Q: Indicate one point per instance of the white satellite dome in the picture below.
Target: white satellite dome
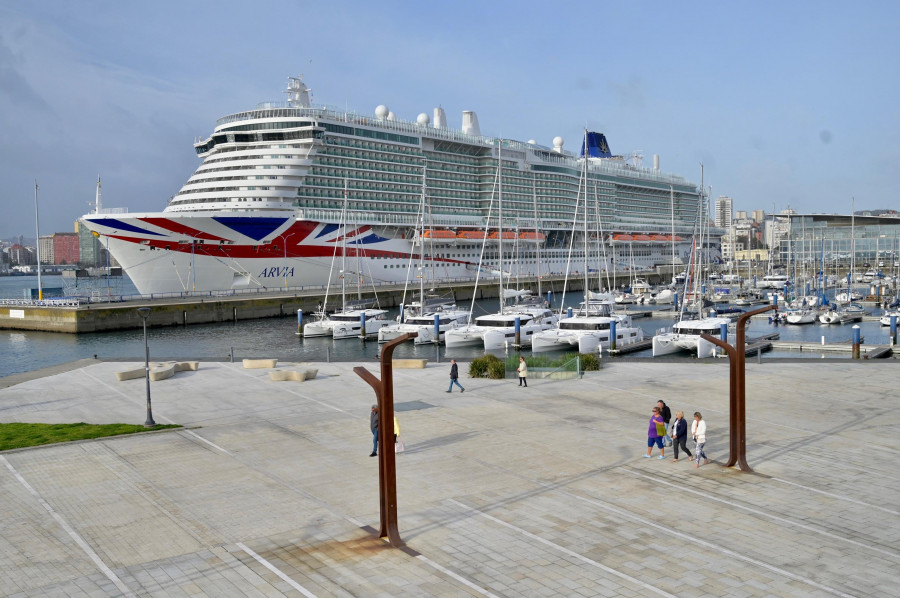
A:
(382, 111)
(423, 119)
(532, 142)
(558, 143)
(391, 116)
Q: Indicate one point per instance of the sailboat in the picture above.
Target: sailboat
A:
(496, 331)
(430, 317)
(348, 322)
(847, 311)
(685, 334)
(590, 328)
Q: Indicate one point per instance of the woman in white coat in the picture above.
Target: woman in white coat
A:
(698, 431)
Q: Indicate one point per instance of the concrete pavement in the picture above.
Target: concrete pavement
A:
(502, 491)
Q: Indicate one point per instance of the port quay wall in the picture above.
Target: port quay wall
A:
(183, 311)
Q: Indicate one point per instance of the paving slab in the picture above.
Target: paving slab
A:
(268, 489)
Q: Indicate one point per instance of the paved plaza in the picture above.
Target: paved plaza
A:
(269, 489)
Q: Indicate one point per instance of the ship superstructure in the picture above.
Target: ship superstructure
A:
(264, 207)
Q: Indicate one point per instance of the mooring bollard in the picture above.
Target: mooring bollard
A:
(855, 342)
(299, 321)
(612, 335)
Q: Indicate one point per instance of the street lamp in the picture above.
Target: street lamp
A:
(144, 312)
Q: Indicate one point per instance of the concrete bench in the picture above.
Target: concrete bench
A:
(159, 371)
(259, 363)
(293, 375)
(409, 364)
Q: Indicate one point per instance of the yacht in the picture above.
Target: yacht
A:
(497, 331)
(685, 336)
(588, 330)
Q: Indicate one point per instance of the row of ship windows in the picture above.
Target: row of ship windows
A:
(371, 145)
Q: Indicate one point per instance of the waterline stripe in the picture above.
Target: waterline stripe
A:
(276, 571)
(565, 550)
(72, 533)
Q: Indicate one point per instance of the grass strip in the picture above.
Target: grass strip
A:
(16, 435)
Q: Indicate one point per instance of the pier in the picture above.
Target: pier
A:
(269, 489)
(73, 315)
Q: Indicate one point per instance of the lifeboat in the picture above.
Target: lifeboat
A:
(439, 234)
(507, 235)
(532, 237)
(622, 238)
(641, 238)
(470, 236)
(660, 238)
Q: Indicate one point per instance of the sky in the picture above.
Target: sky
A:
(786, 104)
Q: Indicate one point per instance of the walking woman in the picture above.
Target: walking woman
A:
(698, 431)
(679, 435)
(653, 435)
(523, 372)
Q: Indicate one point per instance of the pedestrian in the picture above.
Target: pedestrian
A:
(679, 435)
(373, 423)
(398, 443)
(666, 414)
(454, 376)
(654, 436)
(698, 431)
(523, 372)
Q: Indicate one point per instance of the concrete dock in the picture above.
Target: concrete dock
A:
(269, 489)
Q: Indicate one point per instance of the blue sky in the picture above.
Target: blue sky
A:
(786, 103)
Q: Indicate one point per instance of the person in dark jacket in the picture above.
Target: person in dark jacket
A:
(666, 414)
(454, 377)
(680, 435)
(373, 423)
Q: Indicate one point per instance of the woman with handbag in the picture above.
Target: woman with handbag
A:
(655, 434)
(698, 431)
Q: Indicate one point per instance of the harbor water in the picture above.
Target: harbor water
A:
(22, 351)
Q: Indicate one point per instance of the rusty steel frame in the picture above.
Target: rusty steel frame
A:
(737, 409)
(387, 462)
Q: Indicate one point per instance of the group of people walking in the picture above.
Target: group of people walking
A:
(658, 434)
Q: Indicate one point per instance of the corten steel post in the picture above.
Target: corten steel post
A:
(732, 395)
(387, 465)
(737, 356)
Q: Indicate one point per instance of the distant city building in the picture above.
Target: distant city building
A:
(90, 251)
(740, 215)
(65, 248)
(45, 244)
(759, 215)
(723, 211)
(19, 255)
(838, 239)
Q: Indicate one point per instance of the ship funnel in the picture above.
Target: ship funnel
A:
(656, 162)
(440, 118)
(298, 92)
(596, 146)
(470, 123)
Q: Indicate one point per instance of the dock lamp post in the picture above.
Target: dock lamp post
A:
(144, 312)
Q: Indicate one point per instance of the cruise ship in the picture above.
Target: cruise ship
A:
(285, 189)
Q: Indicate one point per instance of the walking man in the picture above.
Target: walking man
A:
(373, 423)
(454, 377)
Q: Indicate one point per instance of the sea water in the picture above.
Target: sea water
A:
(23, 351)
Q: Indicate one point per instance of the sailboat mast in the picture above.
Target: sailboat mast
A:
(536, 233)
(422, 249)
(584, 171)
(672, 208)
(344, 249)
(500, 217)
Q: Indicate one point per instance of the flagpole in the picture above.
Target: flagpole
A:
(37, 231)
